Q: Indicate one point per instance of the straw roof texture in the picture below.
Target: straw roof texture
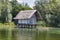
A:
(26, 14)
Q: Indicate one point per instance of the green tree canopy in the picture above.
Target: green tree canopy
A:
(4, 10)
(16, 7)
(50, 11)
(9, 9)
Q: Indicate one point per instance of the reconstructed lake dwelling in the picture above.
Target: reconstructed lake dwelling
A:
(27, 18)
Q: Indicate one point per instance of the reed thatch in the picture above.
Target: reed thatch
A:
(27, 14)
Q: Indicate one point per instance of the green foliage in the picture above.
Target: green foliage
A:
(16, 7)
(4, 10)
(9, 9)
(50, 11)
(41, 23)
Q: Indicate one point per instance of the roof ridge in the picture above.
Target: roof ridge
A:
(28, 10)
(25, 14)
(32, 14)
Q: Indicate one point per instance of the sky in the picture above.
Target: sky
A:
(30, 2)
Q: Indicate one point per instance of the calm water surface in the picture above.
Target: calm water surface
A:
(29, 34)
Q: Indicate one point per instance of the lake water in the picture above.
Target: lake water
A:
(29, 34)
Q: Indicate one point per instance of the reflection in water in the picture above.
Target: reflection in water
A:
(29, 34)
(26, 34)
(14, 35)
(3, 34)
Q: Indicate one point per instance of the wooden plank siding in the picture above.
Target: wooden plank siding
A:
(31, 21)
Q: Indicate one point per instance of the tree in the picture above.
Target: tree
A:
(26, 7)
(4, 10)
(0, 8)
(9, 9)
(50, 11)
(16, 7)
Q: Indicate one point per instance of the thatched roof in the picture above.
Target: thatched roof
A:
(26, 14)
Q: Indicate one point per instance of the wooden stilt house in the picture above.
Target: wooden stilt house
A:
(27, 18)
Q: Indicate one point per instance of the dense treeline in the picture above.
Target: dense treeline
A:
(50, 11)
(9, 9)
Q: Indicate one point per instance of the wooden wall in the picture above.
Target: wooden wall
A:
(32, 20)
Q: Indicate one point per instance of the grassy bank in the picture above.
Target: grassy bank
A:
(7, 25)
